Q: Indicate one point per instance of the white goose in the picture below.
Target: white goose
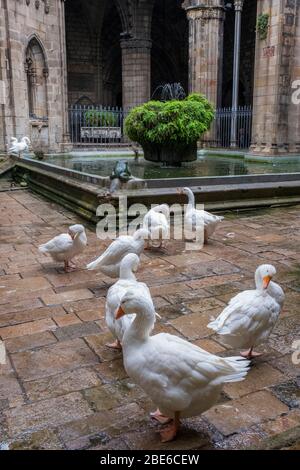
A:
(19, 147)
(157, 222)
(66, 246)
(182, 379)
(127, 282)
(197, 218)
(109, 262)
(250, 316)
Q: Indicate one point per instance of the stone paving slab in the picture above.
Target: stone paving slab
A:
(63, 389)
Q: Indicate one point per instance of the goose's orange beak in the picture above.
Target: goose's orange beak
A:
(266, 281)
(120, 313)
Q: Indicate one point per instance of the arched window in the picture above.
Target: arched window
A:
(37, 73)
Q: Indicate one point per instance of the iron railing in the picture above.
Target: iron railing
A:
(90, 125)
(220, 132)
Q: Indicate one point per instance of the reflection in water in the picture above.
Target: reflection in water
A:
(209, 165)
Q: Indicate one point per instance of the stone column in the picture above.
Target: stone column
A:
(66, 143)
(206, 23)
(294, 108)
(238, 6)
(136, 71)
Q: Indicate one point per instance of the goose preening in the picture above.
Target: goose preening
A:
(250, 316)
(19, 147)
(195, 218)
(156, 221)
(182, 379)
(66, 246)
(109, 262)
(127, 282)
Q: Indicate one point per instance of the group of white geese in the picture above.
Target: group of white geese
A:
(182, 379)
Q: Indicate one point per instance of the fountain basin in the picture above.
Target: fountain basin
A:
(83, 192)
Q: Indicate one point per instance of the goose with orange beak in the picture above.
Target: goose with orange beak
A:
(127, 282)
(250, 316)
(182, 379)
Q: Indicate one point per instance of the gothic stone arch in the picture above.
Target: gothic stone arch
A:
(37, 72)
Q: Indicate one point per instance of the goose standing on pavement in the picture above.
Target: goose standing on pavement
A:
(182, 379)
(109, 262)
(157, 222)
(250, 316)
(196, 218)
(127, 282)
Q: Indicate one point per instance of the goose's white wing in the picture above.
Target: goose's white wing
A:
(59, 244)
(247, 320)
(114, 253)
(174, 369)
(156, 223)
(203, 217)
(14, 147)
(277, 293)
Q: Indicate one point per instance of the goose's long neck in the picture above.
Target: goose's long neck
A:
(258, 281)
(126, 272)
(141, 327)
(80, 239)
(191, 199)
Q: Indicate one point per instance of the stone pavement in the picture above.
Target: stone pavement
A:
(62, 388)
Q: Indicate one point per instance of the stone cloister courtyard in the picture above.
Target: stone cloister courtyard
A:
(62, 388)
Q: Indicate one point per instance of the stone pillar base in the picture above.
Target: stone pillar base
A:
(270, 150)
(66, 145)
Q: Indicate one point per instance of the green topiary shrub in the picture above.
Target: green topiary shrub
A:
(96, 118)
(170, 123)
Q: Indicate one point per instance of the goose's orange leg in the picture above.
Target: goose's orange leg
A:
(250, 354)
(169, 433)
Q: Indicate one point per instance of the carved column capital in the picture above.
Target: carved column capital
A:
(135, 43)
(195, 9)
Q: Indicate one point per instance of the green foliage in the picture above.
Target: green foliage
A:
(96, 118)
(170, 123)
(263, 25)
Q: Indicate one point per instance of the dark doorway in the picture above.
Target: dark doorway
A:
(247, 53)
(93, 52)
(169, 59)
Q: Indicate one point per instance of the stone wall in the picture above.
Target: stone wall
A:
(20, 21)
(294, 106)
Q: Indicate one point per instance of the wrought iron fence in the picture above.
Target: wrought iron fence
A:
(96, 124)
(91, 124)
(220, 133)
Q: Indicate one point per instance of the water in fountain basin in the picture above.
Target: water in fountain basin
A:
(206, 165)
